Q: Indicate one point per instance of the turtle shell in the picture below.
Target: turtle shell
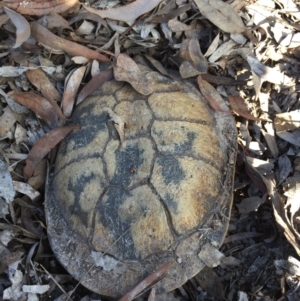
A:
(116, 212)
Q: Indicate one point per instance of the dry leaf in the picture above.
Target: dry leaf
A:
(55, 106)
(177, 26)
(147, 282)
(255, 176)
(212, 96)
(22, 27)
(7, 120)
(118, 121)
(293, 137)
(221, 80)
(213, 46)
(46, 37)
(40, 80)
(190, 51)
(239, 106)
(39, 8)
(7, 191)
(211, 283)
(54, 21)
(127, 70)
(225, 49)
(210, 255)
(43, 146)
(287, 121)
(129, 12)
(156, 64)
(165, 17)
(38, 105)
(267, 73)
(284, 168)
(71, 89)
(26, 189)
(250, 204)
(96, 82)
(222, 15)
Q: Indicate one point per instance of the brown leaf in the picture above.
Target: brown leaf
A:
(43, 146)
(190, 51)
(22, 27)
(55, 106)
(147, 282)
(239, 106)
(96, 82)
(38, 105)
(71, 89)
(211, 283)
(46, 37)
(157, 65)
(222, 15)
(163, 18)
(40, 80)
(39, 8)
(241, 236)
(211, 95)
(127, 70)
(54, 21)
(129, 12)
(221, 80)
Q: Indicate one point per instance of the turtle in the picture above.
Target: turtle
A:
(119, 209)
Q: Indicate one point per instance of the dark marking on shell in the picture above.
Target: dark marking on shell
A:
(187, 145)
(89, 127)
(171, 169)
(127, 157)
(111, 220)
(170, 202)
(77, 190)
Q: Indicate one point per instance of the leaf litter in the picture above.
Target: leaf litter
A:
(242, 54)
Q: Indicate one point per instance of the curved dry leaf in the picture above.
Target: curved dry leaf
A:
(127, 70)
(267, 73)
(213, 46)
(177, 26)
(54, 21)
(22, 27)
(71, 90)
(38, 105)
(157, 65)
(40, 80)
(225, 49)
(26, 189)
(118, 121)
(284, 168)
(222, 15)
(39, 8)
(129, 12)
(239, 106)
(55, 106)
(212, 96)
(94, 84)
(165, 17)
(46, 37)
(191, 52)
(43, 146)
(147, 282)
